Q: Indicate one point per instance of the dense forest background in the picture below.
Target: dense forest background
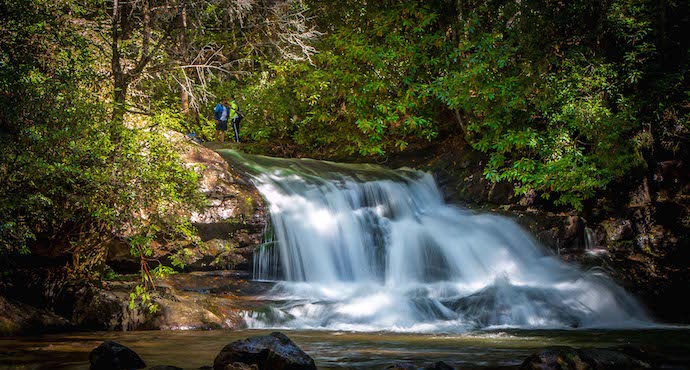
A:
(563, 98)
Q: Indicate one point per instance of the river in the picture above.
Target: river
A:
(332, 349)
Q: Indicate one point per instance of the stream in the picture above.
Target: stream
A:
(332, 349)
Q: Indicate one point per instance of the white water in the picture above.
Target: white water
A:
(364, 248)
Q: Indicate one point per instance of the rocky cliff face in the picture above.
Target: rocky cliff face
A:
(230, 226)
(637, 230)
(42, 296)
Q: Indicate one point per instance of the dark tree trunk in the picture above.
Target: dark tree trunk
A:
(184, 96)
(119, 79)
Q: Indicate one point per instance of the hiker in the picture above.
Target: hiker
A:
(236, 117)
(221, 113)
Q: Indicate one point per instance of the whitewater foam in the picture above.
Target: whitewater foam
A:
(363, 248)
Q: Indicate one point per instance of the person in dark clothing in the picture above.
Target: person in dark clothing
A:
(235, 117)
(221, 114)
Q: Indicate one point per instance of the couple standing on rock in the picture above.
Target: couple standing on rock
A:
(224, 111)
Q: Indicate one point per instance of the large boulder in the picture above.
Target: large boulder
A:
(269, 352)
(241, 366)
(567, 358)
(17, 318)
(114, 356)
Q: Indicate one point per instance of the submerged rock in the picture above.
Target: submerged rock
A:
(274, 352)
(114, 356)
(438, 365)
(567, 358)
(402, 367)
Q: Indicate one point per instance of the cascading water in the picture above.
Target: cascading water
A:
(365, 248)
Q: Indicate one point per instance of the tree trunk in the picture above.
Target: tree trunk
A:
(119, 99)
(184, 96)
(461, 122)
(119, 79)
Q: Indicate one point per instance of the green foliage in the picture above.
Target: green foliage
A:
(141, 296)
(552, 114)
(64, 184)
(561, 97)
(368, 92)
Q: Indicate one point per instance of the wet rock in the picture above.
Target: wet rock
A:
(230, 225)
(213, 255)
(608, 359)
(439, 365)
(83, 304)
(99, 309)
(17, 318)
(567, 358)
(528, 198)
(402, 367)
(233, 205)
(501, 192)
(574, 230)
(202, 300)
(241, 366)
(275, 352)
(114, 356)
(199, 300)
(493, 305)
(549, 238)
(617, 230)
(640, 196)
(671, 178)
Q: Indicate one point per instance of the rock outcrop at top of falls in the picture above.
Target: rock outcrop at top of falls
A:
(230, 226)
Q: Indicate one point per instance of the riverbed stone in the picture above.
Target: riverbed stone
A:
(404, 366)
(439, 365)
(275, 352)
(567, 358)
(114, 356)
(241, 366)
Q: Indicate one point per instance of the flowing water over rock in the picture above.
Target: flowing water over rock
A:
(363, 248)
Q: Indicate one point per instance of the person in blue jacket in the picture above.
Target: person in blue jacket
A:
(221, 114)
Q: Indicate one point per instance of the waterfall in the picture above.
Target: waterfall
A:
(590, 239)
(364, 248)
(266, 260)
